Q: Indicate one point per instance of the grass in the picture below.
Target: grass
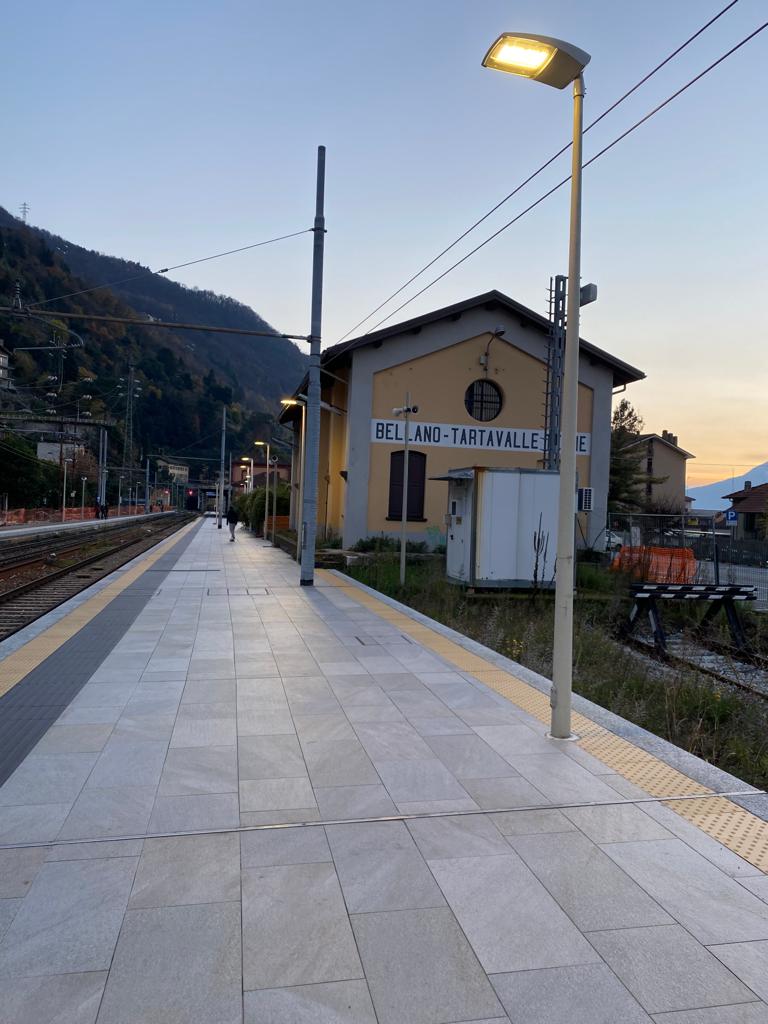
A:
(723, 725)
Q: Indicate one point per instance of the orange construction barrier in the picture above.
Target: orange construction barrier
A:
(657, 565)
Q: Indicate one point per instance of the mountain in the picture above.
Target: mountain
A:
(711, 495)
(182, 389)
(259, 370)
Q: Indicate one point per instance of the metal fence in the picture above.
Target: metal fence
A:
(718, 557)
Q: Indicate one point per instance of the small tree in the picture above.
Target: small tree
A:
(627, 480)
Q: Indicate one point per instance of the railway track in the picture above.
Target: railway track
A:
(716, 660)
(30, 600)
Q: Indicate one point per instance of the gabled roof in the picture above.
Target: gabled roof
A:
(662, 440)
(623, 373)
(750, 499)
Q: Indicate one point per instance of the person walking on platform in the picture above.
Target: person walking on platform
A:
(232, 521)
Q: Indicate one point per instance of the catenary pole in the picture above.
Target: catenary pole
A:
(562, 655)
(274, 504)
(266, 496)
(308, 531)
(404, 511)
(221, 464)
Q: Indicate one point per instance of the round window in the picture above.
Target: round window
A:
(483, 400)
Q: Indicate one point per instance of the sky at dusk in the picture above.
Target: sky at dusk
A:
(163, 132)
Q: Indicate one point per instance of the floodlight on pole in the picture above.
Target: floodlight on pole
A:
(557, 63)
(302, 402)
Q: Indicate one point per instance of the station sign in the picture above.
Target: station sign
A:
(458, 435)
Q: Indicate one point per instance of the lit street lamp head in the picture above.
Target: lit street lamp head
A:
(542, 58)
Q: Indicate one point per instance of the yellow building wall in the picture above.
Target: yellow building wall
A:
(437, 383)
(333, 457)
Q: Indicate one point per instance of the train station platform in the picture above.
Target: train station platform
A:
(33, 529)
(242, 800)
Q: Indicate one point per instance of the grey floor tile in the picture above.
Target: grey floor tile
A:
(741, 1013)
(442, 726)
(528, 823)
(284, 846)
(420, 704)
(275, 794)
(205, 725)
(279, 816)
(419, 780)
(187, 869)
(757, 885)
(264, 722)
(61, 739)
(748, 961)
(127, 762)
(380, 868)
(712, 906)
(190, 771)
(392, 741)
(587, 994)
(338, 1002)
(185, 813)
(295, 928)
(89, 716)
(119, 811)
(622, 823)
(96, 851)
(590, 888)
(374, 713)
(47, 779)
(8, 910)
(208, 691)
(469, 757)
(33, 823)
(323, 727)
(514, 740)
(509, 918)
(18, 869)
(55, 999)
(104, 695)
(341, 762)
(354, 802)
(396, 948)
(474, 835)
(270, 757)
(665, 968)
(560, 779)
(70, 919)
(144, 727)
(499, 794)
(397, 681)
(437, 806)
(176, 964)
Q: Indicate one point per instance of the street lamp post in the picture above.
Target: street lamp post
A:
(64, 494)
(302, 450)
(265, 444)
(82, 497)
(406, 411)
(274, 503)
(559, 64)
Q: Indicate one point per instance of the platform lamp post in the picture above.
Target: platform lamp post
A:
(82, 497)
(64, 493)
(265, 445)
(559, 64)
(302, 452)
(119, 495)
(407, 411)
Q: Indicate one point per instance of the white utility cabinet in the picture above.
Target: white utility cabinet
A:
(501, 527)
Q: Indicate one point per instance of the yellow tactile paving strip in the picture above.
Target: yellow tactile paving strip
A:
(737, 829)
(19, 664)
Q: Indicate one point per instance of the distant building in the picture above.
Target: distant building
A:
(6, 377)
(477, 371)
(663, 460)
(177, 471)
(749, 504)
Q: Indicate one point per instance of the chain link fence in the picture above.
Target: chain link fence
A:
(666, 546)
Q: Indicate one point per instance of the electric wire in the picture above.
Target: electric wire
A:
(543, 167)
(166, 270)
(565, 180)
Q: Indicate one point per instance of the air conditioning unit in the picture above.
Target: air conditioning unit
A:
(585, 499)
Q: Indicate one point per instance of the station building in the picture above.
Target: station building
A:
(477, 371)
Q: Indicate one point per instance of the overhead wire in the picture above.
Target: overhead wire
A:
(541, 168)
(167, 270)
(565, 180)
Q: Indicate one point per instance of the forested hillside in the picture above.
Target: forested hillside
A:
(181, 398)
(259, 370)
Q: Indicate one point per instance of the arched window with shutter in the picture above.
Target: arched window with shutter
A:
(417, 476)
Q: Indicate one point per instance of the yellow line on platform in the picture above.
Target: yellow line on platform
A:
(19, 664)
(739, 830)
